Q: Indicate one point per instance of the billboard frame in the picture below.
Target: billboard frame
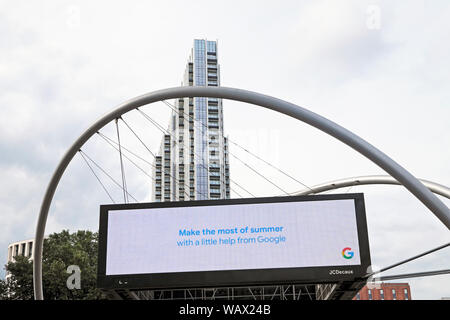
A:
(235, 278)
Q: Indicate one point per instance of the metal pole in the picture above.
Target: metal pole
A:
(440, 210)
(369, 180)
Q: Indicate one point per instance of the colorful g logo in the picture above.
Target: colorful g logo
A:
(347, 254)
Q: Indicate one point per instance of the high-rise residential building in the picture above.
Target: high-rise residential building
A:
(192, 163)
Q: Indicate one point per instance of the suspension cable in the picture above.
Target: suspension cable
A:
(106, 173)
(145, 146)
(191, 118)
(174, 109)
(238, 194)
(142, 142)
(125, 198)
(154, 156)
(414, 275)
(242, 189)
(246, 150)
(155, 123)
(259, 174)
(98, 179)
(269, 164)
(126, 157)
(408, 260)
(158, 126)
(111, 141)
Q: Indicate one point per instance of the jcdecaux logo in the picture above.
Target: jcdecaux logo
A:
(347, 253)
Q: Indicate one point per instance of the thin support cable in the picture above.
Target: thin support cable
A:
(125, 198)
(299, 293)
(231, 180)
(259, 174)
(238, 194)
(242, 188)
(150, 119)
(109, 140)
(269, 164)
(158, 126)
(98, 179)
(148, 149)
(408, 260)
(135, 134)
(194, 121)
(246, 150)
(108, 175)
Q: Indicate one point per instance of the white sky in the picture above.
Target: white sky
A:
(65, 63)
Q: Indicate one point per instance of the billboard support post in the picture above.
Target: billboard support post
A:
(436, 206)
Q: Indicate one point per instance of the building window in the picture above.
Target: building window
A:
(369, 292)
(382, 294)
(30, 249)
(394, 294)
(405, 291)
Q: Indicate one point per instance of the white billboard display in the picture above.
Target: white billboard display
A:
(230, 236)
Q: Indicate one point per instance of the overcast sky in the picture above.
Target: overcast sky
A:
(379, 68)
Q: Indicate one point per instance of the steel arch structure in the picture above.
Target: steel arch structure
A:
(440, 210)
(370, 180)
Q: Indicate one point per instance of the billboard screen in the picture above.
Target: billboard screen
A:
(296, 239)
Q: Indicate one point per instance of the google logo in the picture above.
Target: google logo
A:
(347, 253)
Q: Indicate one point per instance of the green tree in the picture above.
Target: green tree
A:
(61, 250)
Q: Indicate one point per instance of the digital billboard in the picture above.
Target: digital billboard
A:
(295, 239)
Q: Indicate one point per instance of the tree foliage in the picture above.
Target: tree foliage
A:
(61, 250)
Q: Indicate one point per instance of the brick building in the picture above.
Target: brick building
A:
(385, 291)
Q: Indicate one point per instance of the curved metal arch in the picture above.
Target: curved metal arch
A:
(441, 211)
(370, 180)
